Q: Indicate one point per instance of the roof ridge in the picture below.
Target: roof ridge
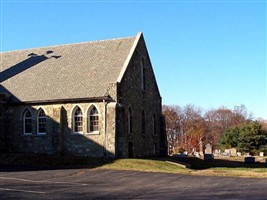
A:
(60, 45)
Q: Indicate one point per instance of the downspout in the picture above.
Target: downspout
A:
(105, 129)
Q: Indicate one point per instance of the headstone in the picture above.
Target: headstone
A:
(179, 155)
(249, 159)
(196, 154)
(246, 154)
(228, 151)
(233, 152)
(238, 153)
(217, 152)
(208, 156)
(261, 154)
(208, 149)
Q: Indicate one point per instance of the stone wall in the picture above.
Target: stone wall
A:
(113, 138)
(60, 138)
(139, 100)
(3, 125)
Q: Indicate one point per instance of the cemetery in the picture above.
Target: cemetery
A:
(231, 155)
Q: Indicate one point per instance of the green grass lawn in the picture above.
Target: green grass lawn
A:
(145, 165)
(217, 167)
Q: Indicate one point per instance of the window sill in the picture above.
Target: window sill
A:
(93, 133)
(27, 134)
(41, 134)
(34, 135)
(77, 133)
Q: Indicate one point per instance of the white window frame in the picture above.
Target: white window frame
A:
(41, 117)
(24, 121)
(89, 131)
(74, 122)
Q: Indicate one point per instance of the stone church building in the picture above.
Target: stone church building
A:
(96, 99)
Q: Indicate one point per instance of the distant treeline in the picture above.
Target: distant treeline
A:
(188, 127)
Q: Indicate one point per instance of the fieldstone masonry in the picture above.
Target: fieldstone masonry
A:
(60, 138)
(113, 138)
(3, 131)
(139, 100)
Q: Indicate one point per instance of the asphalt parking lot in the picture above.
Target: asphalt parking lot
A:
(110, 184)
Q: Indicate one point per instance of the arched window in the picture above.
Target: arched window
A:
(154, 124)
(143, 83)
(78, 120)
(93, 120)
(41, 122)
(130, 121)
(143, 123)
(155, 148)
(27, 122)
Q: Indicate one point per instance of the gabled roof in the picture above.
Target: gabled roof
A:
(73, 71)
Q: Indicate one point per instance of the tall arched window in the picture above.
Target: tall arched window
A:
(78, 120)
(41, 122)
(27, 122)
(143, 81)
(143, 123)
(130, 121)
(155, 148)
(93, 120)
(154, 124)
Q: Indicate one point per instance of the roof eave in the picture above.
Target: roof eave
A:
(60, 101)
(127, 61)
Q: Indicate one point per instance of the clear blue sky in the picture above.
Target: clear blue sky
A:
(206, 53)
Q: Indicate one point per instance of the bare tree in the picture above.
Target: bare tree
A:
(172, 127)
(193, 127)
(187, 127)
(221, 119)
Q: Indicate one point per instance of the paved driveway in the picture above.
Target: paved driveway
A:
(109, 184)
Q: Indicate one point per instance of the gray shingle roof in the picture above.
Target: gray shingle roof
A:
(72, 71)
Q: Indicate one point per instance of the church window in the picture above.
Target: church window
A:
(27, 122)
(93, 120)
(130, 121)
(154, 124)
(41, 122)
(78, 120)
(143, 123)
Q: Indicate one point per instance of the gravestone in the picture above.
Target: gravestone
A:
(208, 157)
(227, 152)
(261, 154)
(249, 159)
(233, 152)
(208, 149)
(217, 152)
(238, 153)
(208, 152)
(246, 154)
(196, 154)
